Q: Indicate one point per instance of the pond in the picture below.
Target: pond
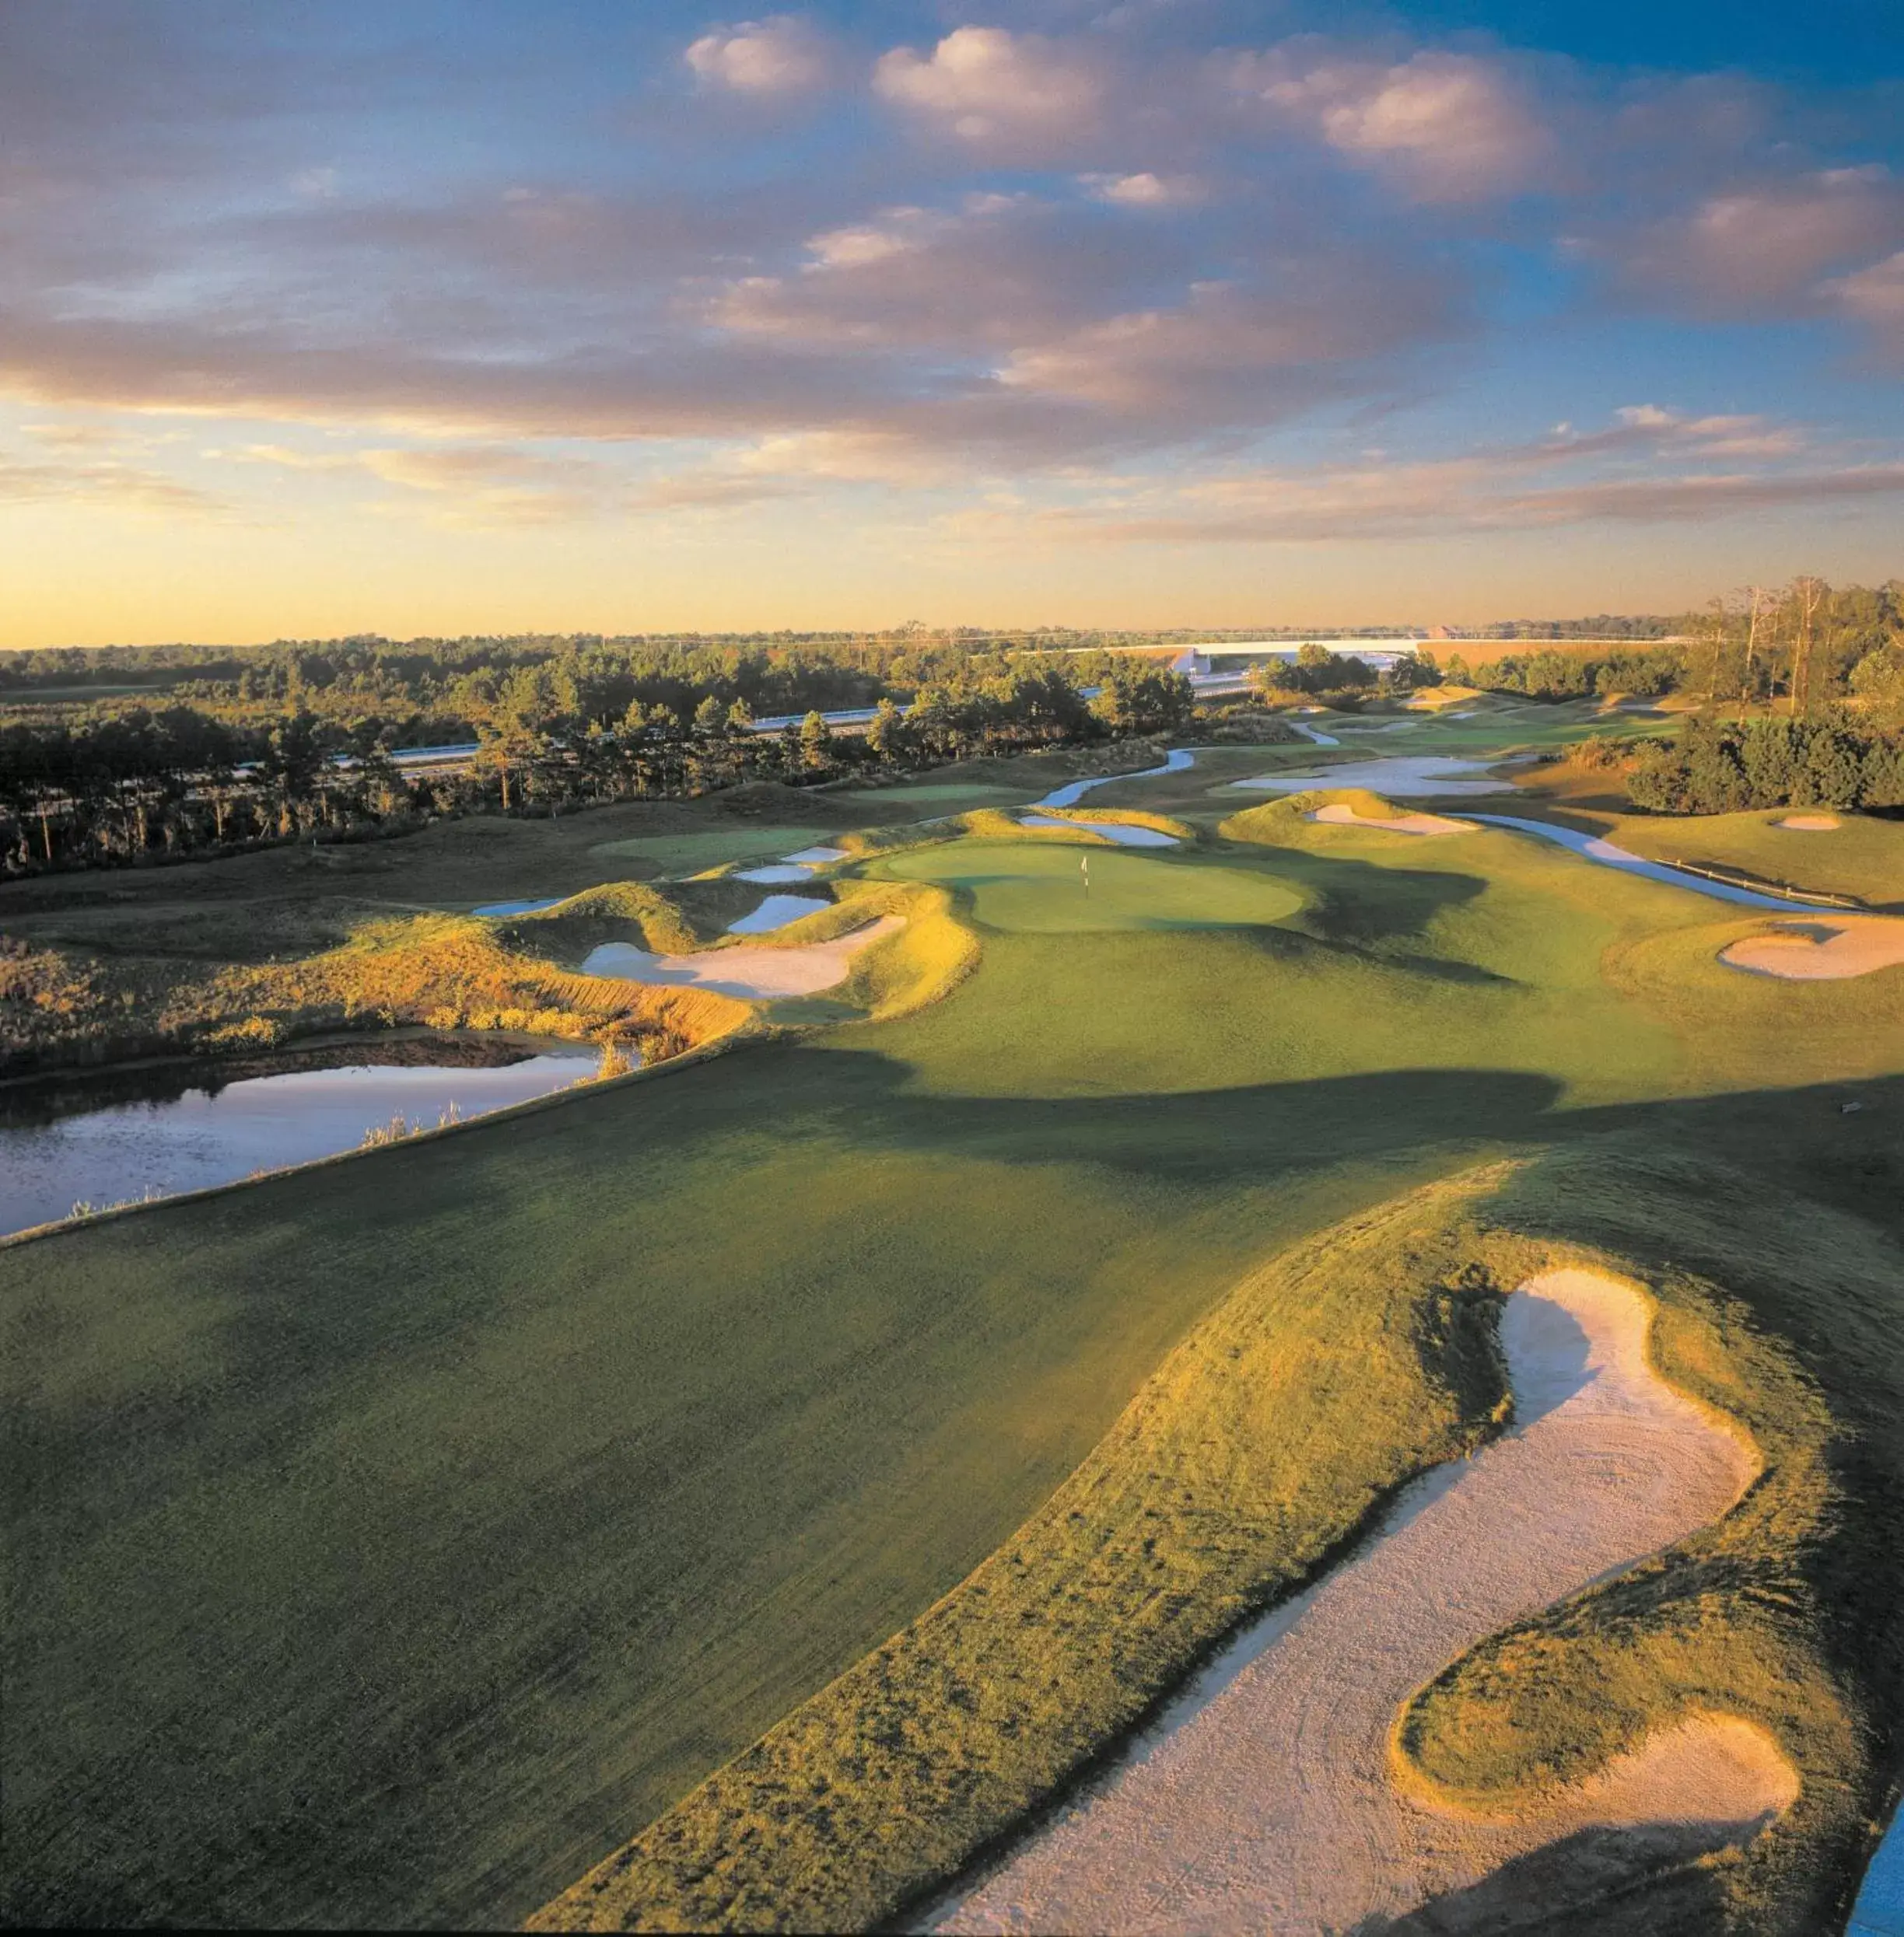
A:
(107, 1137)
(1123, 833)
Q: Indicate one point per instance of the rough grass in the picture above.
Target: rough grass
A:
(1863, 856)
(1113, 816)
(442, 971)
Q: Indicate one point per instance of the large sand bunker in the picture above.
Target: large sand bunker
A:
(1338, 813)
(754, 975)
(1826, 951)
(1418, 777)
(1810, 824)
(1264, 1797)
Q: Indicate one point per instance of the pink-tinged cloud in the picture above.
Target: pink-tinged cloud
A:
(102, 483)
(781, 55)
(1018, 95)
(1762, 245)
(1445, 127)
(997, 272)
(1226, 345)
(1874, 297)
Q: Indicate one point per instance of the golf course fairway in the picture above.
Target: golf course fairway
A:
(397, 1541)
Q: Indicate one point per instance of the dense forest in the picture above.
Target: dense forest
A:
(303, 744)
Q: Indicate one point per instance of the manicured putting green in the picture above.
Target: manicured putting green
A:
(1040, 888)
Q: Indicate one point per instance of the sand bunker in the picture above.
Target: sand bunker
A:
(1338, 813)
(1310, 733)
(1822, 951)
(1809, 823)
(1263, 1799)
(755, 974)
(1123, 833)
(1422, 776)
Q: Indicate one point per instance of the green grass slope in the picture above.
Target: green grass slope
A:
(388, 1543)
(1205, 1499)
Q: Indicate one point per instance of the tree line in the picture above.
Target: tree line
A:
(1724, 767)
(134, 783)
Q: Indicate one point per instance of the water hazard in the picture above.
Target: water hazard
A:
(108, 1138)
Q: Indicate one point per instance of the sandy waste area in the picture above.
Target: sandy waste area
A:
(1262, 1798)
(756, 974)
(1822, 951)
(1338, 813)
(1412, 777)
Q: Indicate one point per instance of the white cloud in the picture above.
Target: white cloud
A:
(1014, 92)
(1447, 126)
(1145, 190)
(780, 55)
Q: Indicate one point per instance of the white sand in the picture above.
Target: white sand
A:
(1822, 951)
(1421, 776)
(1338, 813)
(1810, 824)
(755, 974)
(1263, 1799)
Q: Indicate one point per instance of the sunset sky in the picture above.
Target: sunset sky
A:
(475, 316)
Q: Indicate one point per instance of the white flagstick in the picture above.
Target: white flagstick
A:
(1084, 869)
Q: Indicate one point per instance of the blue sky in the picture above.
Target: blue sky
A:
(435, 316)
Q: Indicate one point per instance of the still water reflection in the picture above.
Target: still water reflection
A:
(101, 1139)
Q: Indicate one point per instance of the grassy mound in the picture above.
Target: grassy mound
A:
(1863, 856)
(1116, 817)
